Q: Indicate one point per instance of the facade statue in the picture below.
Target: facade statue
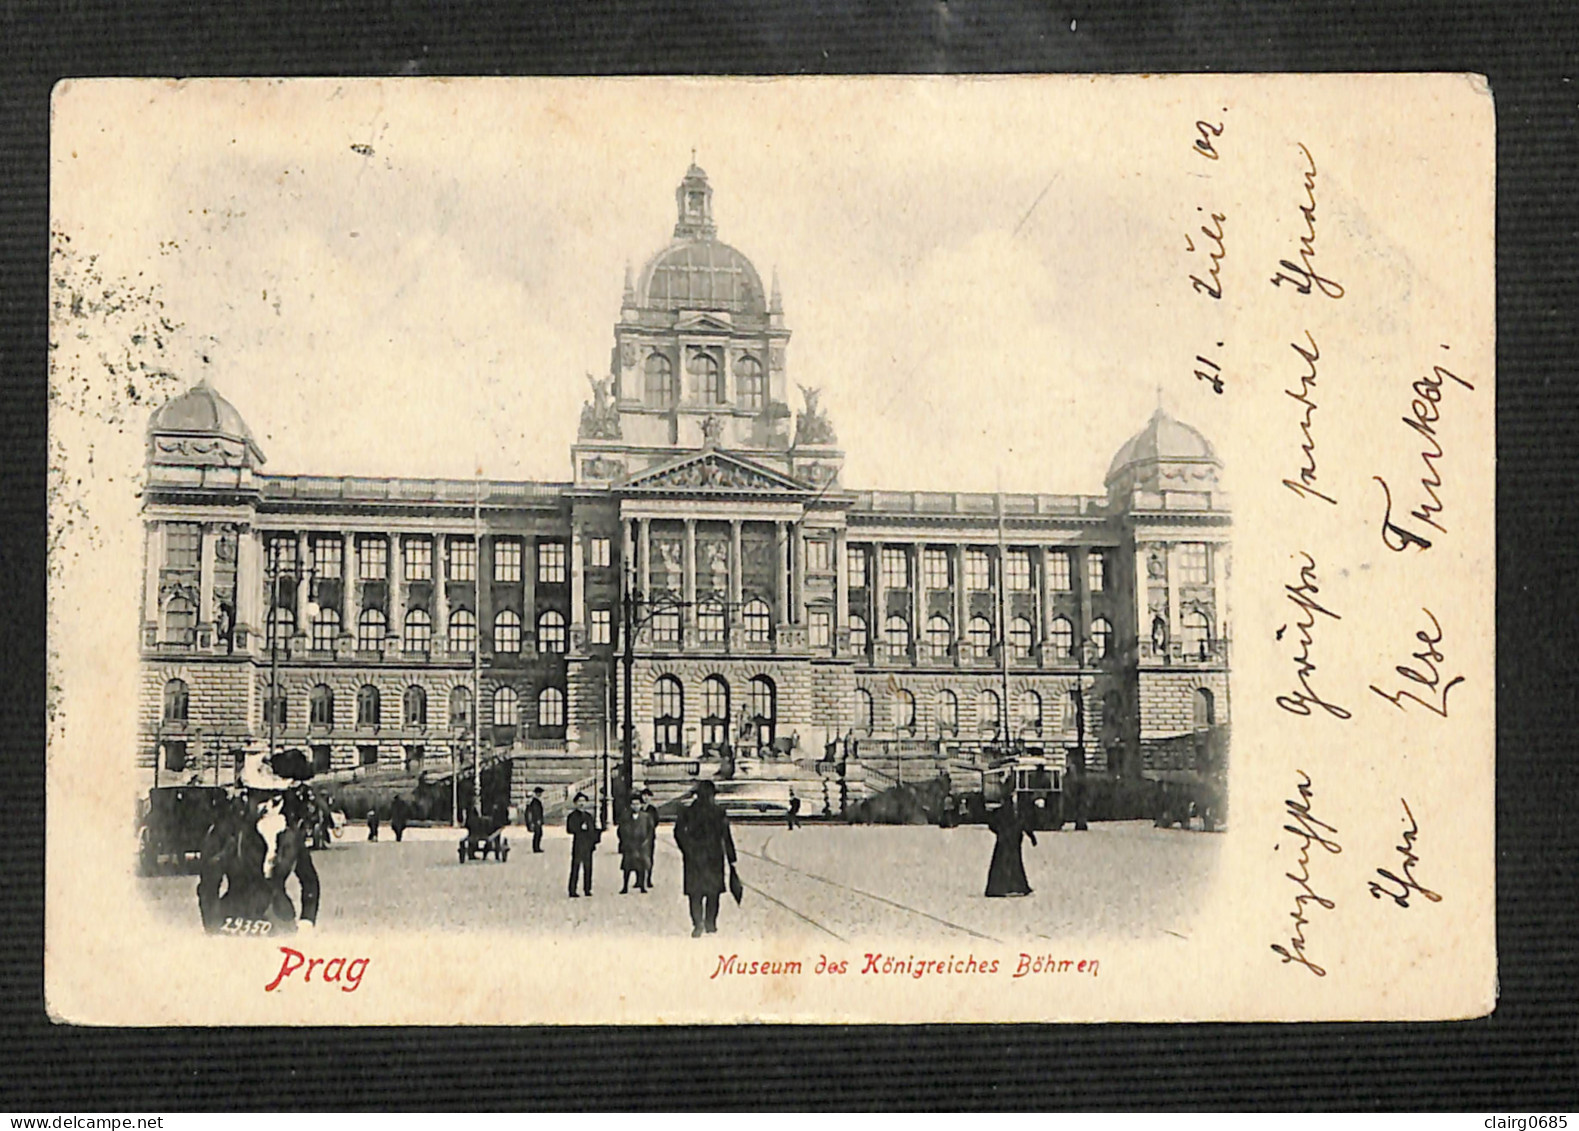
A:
(600, 418)
(812, 426)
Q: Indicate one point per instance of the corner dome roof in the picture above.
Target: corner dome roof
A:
(1163, 440)
(202, 411)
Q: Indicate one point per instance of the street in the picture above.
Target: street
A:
(1118, 880)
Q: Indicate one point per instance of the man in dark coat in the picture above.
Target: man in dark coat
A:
(399, 816)
(534, 818)
(649, 819)
(793, 818)
(634, 849)
(584, 834)
(702, 832)
(372, 821)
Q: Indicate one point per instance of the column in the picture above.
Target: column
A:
(917, 600)
(528, 585)
(1083, 629)
(348, 581)
(1044, 616)
(961, 605)
(152, 564)
(874, 631)
(441, 597)
(578, 584)
(781, 597)
(735, 585)
(303, 589)
(1142, 596)
(397, 588)
(644, 561)
(841, 584)
(205, 577)
(1216, 552)
(688, 593)
(249, 582)
(628, 554)
(1173, 592)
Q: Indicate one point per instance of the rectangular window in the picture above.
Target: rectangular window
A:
(282, 553)
(327, 557)
(666, 628)
(367, 755)
(462, 565)
(935, 568)
(601, 622)
(978, 570)
(896, 567)
(598, 553)
(819, 622)
(710, 624)
(818, 555)
(855, 564)
(417, 553)
(506, 559)
(1096, 570)
(1192, 563)
(1058, 570)
(551, 563)
(372, 559)
(183, 545)
(1018, 565)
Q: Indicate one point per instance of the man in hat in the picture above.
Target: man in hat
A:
(584, 834)
(534, 818)
(702, 832)
(793, 818)
(649, 820)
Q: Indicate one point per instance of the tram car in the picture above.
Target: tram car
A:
(1034, 778)
(172, 823)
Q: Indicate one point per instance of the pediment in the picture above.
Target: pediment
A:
(700, 321)
(713, 471)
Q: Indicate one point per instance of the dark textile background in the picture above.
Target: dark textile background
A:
(1521, 1060)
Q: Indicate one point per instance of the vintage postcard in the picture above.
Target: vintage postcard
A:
(859, 550)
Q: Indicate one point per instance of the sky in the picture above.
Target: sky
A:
(412, 278)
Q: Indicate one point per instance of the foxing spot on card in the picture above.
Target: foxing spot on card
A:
(565, 551)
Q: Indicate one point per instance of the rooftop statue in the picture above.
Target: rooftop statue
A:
(600, 418)
(812, 426)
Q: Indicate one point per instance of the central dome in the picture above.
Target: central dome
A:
(698, 271)
(1163, 440)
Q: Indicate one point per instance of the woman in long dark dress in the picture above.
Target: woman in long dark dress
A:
(1006, 874)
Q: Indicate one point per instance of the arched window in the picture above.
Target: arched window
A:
(463, 630)
(661, 391)
(551, 709)
(281, 626)
(764, 710)
(368, 706)
(460, 707)
(857, 634)
(419, 630)
(987, 713)
(1205, 709)
(758, 622)
(980, 637)
(416, 706)
(180, 620)
(370, 630)
(715, 713)
(1102, 636)
(896, 635)
(707, 378)
(1030, 714)
(506, 707)
(175, 701)
(1195, 632)
(904, 711)
(863, 710)
(939, 635)
(321, 702)
(507, 631)
(1020, 638)
(668, 715)
(948, 713)
(551, 632)
(710, 623)
(326, 629)
(1062, 636)
(749, 386)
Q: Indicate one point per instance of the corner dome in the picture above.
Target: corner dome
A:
(1163, 440)
(201, 411)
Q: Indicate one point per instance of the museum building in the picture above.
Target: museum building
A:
(776, 614)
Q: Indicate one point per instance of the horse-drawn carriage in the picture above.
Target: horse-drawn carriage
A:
(485, 837)
(172, 822)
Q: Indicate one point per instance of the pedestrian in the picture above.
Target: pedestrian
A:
(534, 818)
(702, 833)
(634, 858)
(399, 813)
(1006, 873)
(584, 836)
(1079, 798)
(649, 819)
(793, 818)
(372, 821)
